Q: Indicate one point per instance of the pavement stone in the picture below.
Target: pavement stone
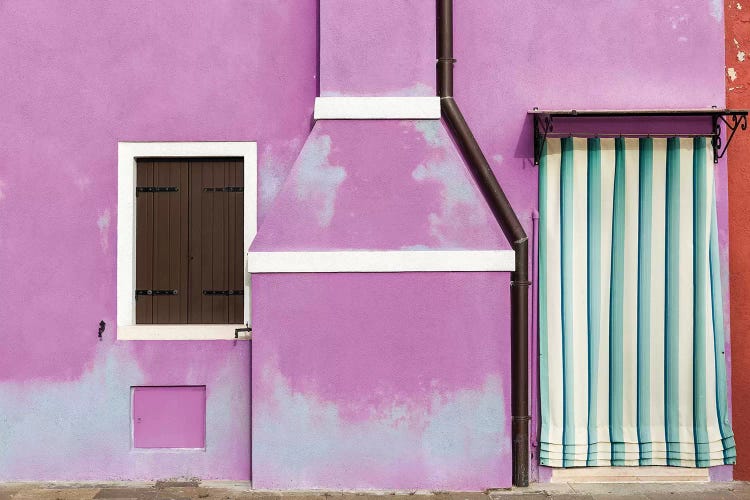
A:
(192, 490)
(571, 496)
(55, 494)
(122, 493)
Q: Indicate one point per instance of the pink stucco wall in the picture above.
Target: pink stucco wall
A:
(401, 185)
(87, 75)
(84, 76)
(377, 48)
(379, 184)
(379, 381)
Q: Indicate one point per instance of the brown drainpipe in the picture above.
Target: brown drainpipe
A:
(514, 232)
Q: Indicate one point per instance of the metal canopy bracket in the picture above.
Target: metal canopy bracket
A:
(731, 118)
(738, 120)
(542, 126)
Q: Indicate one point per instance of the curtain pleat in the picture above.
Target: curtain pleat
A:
(631, 326)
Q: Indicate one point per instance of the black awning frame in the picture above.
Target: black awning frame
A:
(731, 118)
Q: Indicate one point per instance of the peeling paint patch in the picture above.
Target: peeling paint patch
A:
(732, 73)
(741, 56)
(498, 158)
(459, 203)
(79, 429)
(47, 424)
(453, 441)
(272, 178)
(317, 180)
(103, 223)
(274, 168)
(717, 10)
(430, 130)
(739, 6)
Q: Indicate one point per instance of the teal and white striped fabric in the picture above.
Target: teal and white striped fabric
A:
(632, 366)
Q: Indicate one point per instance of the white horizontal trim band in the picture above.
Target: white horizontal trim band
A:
(377, 108)
(186, 149)
(179, 332)
(386, 261)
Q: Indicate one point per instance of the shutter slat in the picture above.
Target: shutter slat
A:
(195, 276)
(144, 243)
(219, 243)
(161, 245)
(237, 259)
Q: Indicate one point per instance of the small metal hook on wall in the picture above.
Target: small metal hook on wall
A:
(102, 326)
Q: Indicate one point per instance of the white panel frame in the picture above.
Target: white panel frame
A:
(381, 261)
(377, 108)
(127, 154)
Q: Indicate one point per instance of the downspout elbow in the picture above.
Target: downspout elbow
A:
(482, 172)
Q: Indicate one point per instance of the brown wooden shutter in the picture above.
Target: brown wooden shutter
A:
(216, 241)
(161, 241)
(191, 240)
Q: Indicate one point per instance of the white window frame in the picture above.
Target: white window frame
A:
(127, 155)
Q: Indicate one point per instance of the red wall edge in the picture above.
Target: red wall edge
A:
(737, 19)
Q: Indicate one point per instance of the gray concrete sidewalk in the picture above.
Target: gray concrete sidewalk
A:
(231, 491)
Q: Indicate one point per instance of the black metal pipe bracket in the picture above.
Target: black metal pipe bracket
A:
(238, 330)
(732, 119)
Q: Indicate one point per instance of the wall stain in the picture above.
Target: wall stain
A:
(456, 441)
(317, 180)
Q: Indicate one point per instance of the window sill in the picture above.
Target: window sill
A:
(180, 332)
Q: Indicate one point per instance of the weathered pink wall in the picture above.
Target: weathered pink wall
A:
(379, 381)
(400, 185)
(78, 77)
(379, 184)
(514, 56)
(383, 48)
(86, 75)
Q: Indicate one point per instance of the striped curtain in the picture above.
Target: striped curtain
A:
(631, 336)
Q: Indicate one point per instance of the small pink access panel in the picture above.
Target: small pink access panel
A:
(169, 417)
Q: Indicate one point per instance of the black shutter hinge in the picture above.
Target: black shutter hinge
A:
(155, 189)
(223, 292)
(155, 292)
(227, 189)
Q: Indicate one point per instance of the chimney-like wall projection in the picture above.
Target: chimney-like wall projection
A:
(384, 380)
